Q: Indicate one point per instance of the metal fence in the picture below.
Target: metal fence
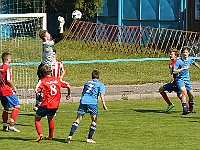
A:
(133, 39)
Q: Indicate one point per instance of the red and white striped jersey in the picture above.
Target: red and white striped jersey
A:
(57, 68)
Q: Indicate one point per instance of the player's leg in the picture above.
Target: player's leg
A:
(41, 112)
(39, 95)
(14, 102)
(183, 100)
(93, 109)
(4, 103)
(179, 95)
(162, 90)
(51, 124)
(191, 100)
(82, 109)
(182, 88)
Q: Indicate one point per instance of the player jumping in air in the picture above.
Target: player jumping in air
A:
(181, 69)
(51, 88)
(89, 104)
(172, 86)
(48, 43)
(8, 96)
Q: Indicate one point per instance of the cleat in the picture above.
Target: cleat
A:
(39, 138)
(193, 112)
(185, 112)
(170, 107)
(90, 141)
(68, 139)
(12, 128)
(49, 138)
(5, 128)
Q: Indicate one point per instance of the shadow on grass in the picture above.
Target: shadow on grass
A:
(149, 111)
(16, 138)
(63, 140)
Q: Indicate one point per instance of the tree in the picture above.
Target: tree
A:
(65, 7)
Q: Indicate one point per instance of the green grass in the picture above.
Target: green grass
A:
(128, 125)
(121, 73)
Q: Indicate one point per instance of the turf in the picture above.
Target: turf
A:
(129, 124)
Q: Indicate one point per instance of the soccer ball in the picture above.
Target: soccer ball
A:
(76, 14)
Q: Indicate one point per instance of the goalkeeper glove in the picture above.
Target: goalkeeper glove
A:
(61, 20)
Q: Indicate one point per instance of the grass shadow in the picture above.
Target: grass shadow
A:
(63, 140)
(16, 138)
(149, 111)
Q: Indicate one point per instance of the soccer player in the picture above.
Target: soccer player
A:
(58, 69)
(8, 94)
(48, 43)
(172, 86)
(181, 69)
(89, 104)
(51, 88)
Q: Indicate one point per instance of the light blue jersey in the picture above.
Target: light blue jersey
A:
(91, 92)
(181, 63)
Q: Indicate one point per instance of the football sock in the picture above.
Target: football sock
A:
(91, 131)
(164, 95)
(5, 116)
(184, 106)
(51, 128)
(191, 105)
(14, 115)
(73, 128)
(38, 126)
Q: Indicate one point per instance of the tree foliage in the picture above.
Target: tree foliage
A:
(65, 7)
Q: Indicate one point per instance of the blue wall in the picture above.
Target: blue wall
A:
(153, 13)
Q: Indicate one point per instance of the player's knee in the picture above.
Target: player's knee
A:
(17, 107)
(161, 89)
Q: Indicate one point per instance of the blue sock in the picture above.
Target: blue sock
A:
(92, 130)
(73, 128)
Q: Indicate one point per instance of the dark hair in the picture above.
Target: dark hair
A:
(46, 70)
(185, 48)
(42, 34)
(4, 56)
(95, 74)
(177, 52)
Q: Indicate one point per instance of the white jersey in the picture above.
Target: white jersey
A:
(47, 52)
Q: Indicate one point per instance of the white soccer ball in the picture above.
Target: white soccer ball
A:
(76, 14)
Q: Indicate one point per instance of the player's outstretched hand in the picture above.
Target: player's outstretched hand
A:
(68, 97)
(61, 20)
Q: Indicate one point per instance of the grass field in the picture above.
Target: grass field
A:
(128, 125)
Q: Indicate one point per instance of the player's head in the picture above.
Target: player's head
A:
(185, 51)
(95, 74)
(54, 53)
(6, 58)
(44, 35)
(46, 70)
(174, 53)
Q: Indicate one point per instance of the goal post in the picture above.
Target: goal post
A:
(19, 36)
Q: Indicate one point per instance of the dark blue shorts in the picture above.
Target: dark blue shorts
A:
(44, 111)
(170, 88)
(9, 101)
(88, 108)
